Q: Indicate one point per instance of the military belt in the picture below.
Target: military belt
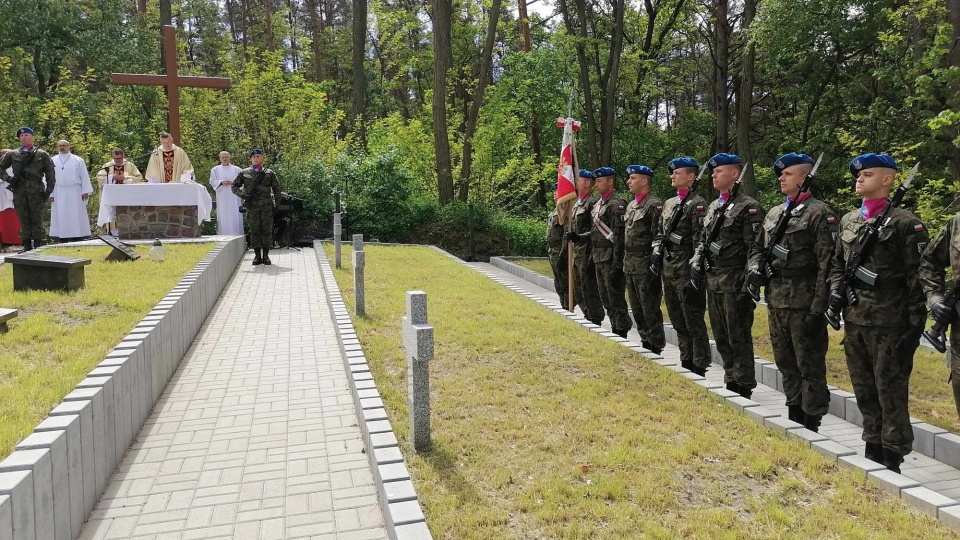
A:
(881, 284)
(793, 272)
(729, 262)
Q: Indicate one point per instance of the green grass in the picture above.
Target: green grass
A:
(931, 397)
(542, 430)
(58, 337)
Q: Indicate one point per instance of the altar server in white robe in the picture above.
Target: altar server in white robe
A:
(229, 218)
(68, 211)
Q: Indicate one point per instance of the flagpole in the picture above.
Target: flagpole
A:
(576, 175)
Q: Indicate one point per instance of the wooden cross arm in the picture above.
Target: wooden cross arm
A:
(164, 80)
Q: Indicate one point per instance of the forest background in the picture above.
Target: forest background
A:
(413, 110)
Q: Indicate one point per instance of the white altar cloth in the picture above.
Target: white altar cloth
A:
(189, 194)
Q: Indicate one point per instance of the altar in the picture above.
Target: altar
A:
(143, 211)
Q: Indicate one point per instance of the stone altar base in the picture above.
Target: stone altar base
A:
(147, 222)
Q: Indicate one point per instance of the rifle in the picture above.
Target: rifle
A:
(656, 260)
(256, 183)
(698, 272)
(15, 179)
(854, 269)
(937, 334)
(774, 249)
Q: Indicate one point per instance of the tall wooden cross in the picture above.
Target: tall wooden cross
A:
(171, 80)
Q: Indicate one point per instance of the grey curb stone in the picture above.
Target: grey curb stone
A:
(892, 482)
(928, 501)
(949, 516)
(832, 450)
(6, 517)
(781, 424)
(838, 403)
(860, 464)
(806, 435)
(18, 486)
(37, 464)
(760, 414)
(924, 437)
(947, 449)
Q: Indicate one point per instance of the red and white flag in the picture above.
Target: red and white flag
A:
(566, 174)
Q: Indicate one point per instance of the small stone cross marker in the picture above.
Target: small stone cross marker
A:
(418, 342)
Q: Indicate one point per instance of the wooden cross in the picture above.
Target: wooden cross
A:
(171, 80)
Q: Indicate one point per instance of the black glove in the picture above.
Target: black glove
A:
(755, 278)
(691, 295)
(576, 239)
(656, 262)
(942, 313)
(696, 273)
(814, 321)
(908, 342)
(745, 303)
(836, 302)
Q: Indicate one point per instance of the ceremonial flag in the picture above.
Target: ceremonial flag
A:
(567, 172)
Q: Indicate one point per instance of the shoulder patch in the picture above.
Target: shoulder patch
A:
(918, 227)
(659, 207)
(699, 208)
(753, 211)
(831, 220)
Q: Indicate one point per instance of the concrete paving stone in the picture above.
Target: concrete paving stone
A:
(759, 413)
(831, 450)
(927, 501)
(18, 487)
(413, 531)
(781, 424)
(947, 449)
(860, 464)
(838, 403)
(741, 403)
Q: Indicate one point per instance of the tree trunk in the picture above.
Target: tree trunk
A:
(268, 25)
(141, 6)
(525, 44)
(953, 17)
(721, 105)
(486, 58)
(359, 75)
(442, 60)
(745, 102)
(608, 107)
(316, 35)
(590, 119)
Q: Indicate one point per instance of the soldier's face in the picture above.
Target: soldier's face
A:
(875, 183)
(26, 139)
(792, 177)
(636, 183)
(682, 178)
(724, 176)
(584, 185)
(605, 184)
(256, 159)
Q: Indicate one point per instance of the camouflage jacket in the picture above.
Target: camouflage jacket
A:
(897, 298)
(640, 227)
(554, 233)
(801, 280)
(608, 214)
(942, 253)
(678, 250)
(727, 254)
(261, 195)
(583, 224)
(31, 178)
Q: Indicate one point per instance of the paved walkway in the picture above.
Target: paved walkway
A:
(255, 436)
(931, 473)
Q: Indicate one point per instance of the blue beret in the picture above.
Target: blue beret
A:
(723, 159)
(640, 169)
(789, 160)
(23, 130)
(871, 161)
(586, 173)
(605, 171)
(683, 163)
(256, 151)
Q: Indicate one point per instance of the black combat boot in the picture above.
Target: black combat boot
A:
(812, 422)
(686, 365)
(874, 452)
(745, 392)
(27, 246)
(256, 259)
(733, 387)
(37, 243)
(701, 371)
(648, 346)
(795, 414)
(892, 460)
(266, 257)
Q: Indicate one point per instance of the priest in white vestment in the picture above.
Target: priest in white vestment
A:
(169, 163)
(68, 211)
(229, 218)
(119, 170)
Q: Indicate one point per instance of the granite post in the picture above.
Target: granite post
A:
(359, 262)
(337, 235)
(418, 341)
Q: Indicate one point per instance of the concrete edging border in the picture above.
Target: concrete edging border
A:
(402, 515)
(929, 440)
(54, 478)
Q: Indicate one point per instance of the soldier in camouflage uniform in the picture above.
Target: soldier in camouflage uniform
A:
(557, 253)
(643, 286)
(883, 329)
(607, 240)
(586, 293)
(797, 290)
(723, 260)
(944, 252)
(686, 312)
(264, 188)
(31, 168)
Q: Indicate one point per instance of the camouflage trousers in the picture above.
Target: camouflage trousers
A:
(29, 208)
(733, 332)
(687, 319)
(800, 356)
(558, 263)
(955, 363)
(613, 295)
(260, 219)
(586, 293)
(645, 293)
(881, 383)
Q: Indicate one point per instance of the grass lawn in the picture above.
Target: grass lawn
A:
(931, 397)
(58, 337)
(542, 430)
